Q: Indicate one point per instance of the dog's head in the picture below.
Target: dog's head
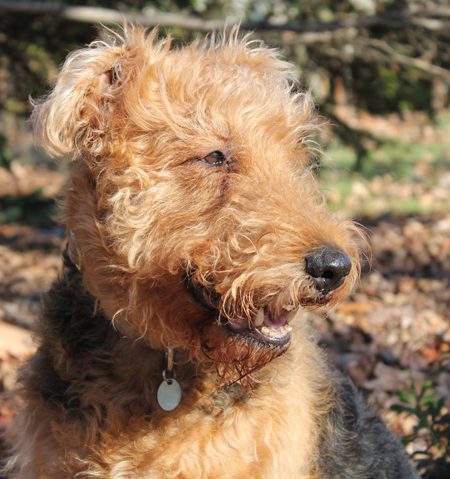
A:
(191, 209)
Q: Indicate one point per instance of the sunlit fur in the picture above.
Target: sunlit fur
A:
(141, 209)
(137, 115)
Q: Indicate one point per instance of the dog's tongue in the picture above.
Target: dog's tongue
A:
(275, 321)
(262, 318)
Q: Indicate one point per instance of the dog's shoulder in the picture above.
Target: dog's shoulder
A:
(356, 444)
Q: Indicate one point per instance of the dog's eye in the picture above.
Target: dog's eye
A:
(216, 158)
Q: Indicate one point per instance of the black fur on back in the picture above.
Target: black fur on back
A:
(356, 443)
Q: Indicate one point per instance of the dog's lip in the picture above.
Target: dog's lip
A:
(272, 330)
(265, 327)
(203, 296)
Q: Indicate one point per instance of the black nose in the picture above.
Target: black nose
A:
(328, 267)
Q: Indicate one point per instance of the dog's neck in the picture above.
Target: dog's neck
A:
(129, 351)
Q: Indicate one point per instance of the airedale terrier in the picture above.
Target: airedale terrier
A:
(168, 348)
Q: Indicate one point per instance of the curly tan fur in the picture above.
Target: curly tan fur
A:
(143, 212)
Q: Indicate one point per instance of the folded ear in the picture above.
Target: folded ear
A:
(65, 120)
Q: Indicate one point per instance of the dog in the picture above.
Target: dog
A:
(174, 343)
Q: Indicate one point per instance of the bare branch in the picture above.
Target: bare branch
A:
(109, 16)
(418, 63)
(151, 18)
(345, 29)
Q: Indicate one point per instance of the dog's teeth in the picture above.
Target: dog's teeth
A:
(259, 319)
(265, 330)
(276, 332)
(288, 307)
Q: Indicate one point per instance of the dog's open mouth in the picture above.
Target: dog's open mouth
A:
(266, 328)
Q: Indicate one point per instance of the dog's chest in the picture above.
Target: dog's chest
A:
(265, 437)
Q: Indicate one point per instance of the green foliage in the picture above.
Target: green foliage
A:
(33, 46)
(397, 177)
(30, 56)
(383, 89)
(32, 209)
(432, 429)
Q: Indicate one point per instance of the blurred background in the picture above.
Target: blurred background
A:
(380, 73)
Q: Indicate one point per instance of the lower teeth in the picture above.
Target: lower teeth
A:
(276, 333)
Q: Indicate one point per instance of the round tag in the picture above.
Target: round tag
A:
(169, 394)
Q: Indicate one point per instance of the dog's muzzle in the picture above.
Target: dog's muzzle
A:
(265, 328)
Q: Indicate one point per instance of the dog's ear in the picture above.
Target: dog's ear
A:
(77, 107)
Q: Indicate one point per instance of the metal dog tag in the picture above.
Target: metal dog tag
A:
(169, 394)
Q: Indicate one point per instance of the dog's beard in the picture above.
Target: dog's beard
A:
(234, 358)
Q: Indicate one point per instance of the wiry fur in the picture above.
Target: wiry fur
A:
(144, 212)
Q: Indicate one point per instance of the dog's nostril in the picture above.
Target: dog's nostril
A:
(327, 267)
